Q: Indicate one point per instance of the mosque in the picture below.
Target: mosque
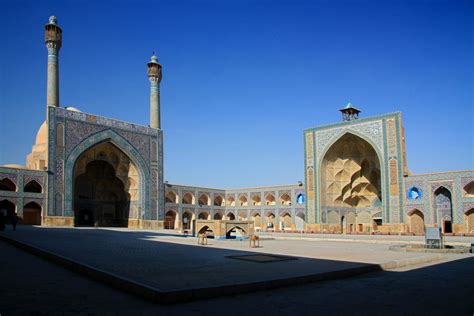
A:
(88, 170)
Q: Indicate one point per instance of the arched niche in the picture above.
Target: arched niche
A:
(106, 182)
(351, 174)
(33, 187)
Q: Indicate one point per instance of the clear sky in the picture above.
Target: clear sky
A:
(242, 79)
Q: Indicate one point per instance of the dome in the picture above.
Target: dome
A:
(42, 135)
(71, 108)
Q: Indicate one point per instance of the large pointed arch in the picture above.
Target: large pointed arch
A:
(352, 171)
(123, 145)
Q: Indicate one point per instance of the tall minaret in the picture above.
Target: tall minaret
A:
(53, 41)
(154, 75)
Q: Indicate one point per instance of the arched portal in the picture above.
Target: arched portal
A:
(105, 184)
(170, 220)
(350, 174)
(417, 222)
(443, 209)
(32, 214)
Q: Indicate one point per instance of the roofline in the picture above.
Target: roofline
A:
(439, 172)
(238, 189)
(363, 119)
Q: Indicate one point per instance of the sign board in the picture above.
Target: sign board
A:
(433, 237)
(299, 224)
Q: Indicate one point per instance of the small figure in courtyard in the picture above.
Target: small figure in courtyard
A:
(14, 221)
(2, 222)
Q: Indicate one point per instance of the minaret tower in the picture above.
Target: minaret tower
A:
(154, 75)
(53, 41)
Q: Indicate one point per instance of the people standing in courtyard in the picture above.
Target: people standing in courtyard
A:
(14, 220)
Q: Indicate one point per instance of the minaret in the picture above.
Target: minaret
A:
(53, 41)
(154, 75)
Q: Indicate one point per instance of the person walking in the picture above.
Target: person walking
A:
(14, 220)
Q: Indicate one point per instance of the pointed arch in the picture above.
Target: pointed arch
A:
(204, 199)
(285, 199)
(256, 200)
(230, 216)
(171, 197)
(188, 198)
(7, 185)
(270, 199)
(33, 187)
(243, 200)
(468, 189)
(443, 208)
(123, 145)
(32, 213)
(416, 221)
(219, 201)
(171, 217)
(230, 201)
(351, 172)
(204, 215)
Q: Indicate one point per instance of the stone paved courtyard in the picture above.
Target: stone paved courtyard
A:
(170, 262)
(32, 285)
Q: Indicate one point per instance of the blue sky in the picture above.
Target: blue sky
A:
(242, 79)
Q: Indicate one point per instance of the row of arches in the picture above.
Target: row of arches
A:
(204, 199)
(31, 212)
(31, 187)
(416, 222)
(173, 220)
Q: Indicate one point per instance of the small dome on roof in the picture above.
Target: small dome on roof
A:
(71, 108)
(14, 165)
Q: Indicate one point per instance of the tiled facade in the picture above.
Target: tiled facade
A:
(385, 134)
(283, 206)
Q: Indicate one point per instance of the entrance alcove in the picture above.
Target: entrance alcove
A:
(417, 222)
(350, 174)
(105, 185)
(32, 214)
(443, 208)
